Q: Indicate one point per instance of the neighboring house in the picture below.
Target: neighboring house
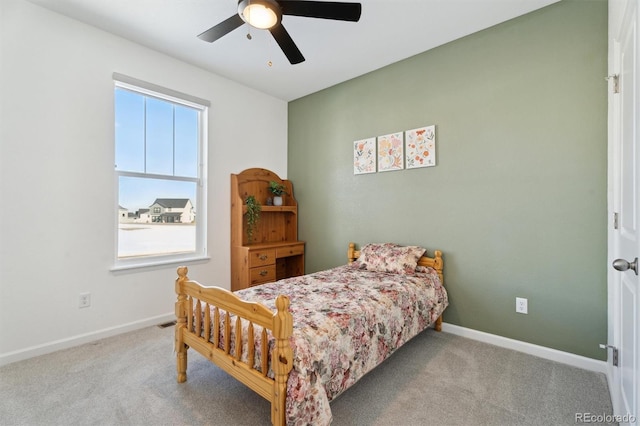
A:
(122, 214)
(143, 216)
(125, 216)
(163, 210)
(172, 210)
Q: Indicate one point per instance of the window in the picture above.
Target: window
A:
(160, 169)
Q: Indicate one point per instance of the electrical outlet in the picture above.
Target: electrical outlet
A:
(85, 300)
(522, 305)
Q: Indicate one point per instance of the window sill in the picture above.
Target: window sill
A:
(141, 265)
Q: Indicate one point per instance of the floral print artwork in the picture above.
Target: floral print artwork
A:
(364, 156)
(421, 147)
(390, 152)
(346, 321)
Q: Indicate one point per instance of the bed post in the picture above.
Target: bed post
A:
(283, 355)
(181, 324)
(351, 252)
(438, 266)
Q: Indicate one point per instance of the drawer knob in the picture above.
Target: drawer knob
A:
(263, 257)
(263, 272)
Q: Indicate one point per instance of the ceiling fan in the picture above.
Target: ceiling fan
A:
(267, 15)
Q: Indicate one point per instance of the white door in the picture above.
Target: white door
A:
(626, 238)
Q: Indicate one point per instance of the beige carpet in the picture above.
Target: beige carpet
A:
(435, 379)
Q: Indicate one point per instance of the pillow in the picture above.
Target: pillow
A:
(389, 257)
(425, 269)
(371, 250)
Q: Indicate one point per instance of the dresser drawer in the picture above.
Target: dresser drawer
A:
(262, 257)
(290, 250)
(263, 274)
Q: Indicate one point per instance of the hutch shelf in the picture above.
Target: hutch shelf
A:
(274, 251)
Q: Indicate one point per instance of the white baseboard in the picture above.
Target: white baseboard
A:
(529, 348)
(70, 342)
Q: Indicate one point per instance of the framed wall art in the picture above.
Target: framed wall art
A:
(421, 147)
(364, 156)
(390, 152)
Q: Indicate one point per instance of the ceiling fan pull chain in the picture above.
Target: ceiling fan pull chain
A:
(249, 28)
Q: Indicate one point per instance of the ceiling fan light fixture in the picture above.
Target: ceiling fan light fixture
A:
(261, 14)
(267, 15)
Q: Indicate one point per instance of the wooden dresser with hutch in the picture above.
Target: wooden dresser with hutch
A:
(274, 252)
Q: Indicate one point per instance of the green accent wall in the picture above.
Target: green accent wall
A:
(517, 201)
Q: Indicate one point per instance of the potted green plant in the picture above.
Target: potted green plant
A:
(277, 189)
(253, 215)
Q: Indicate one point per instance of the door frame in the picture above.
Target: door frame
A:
(617, 13)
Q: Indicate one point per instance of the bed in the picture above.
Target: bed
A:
(300, 342)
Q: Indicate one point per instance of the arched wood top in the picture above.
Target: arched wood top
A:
(255, 181)
(257, 173)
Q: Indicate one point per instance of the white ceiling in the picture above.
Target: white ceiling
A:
(335, 51)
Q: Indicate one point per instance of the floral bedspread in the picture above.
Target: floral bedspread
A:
(345, 322)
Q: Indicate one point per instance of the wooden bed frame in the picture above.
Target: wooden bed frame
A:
(191, 333)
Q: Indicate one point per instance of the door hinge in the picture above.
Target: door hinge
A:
(616, 82)
(614, 353)
(615, 220)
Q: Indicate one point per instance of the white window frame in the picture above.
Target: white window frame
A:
(200, 254)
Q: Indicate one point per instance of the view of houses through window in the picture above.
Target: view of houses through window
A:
(158, 147)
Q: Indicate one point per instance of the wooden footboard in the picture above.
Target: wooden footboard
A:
(195, 326)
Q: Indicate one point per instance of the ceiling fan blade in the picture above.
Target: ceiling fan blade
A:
(340, 11)
(287, 45)
(222, 29)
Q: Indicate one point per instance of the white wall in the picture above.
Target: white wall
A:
(56, 154)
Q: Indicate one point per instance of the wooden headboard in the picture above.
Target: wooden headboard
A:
(435, 262)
